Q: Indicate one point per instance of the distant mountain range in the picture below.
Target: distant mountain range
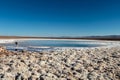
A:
(108, 37)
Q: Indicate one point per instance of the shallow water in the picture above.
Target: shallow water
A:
(46, 44)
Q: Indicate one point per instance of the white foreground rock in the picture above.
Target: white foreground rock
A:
(68, 64)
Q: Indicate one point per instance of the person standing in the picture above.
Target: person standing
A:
(16, 43)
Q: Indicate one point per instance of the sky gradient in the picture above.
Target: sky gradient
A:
(59, 17)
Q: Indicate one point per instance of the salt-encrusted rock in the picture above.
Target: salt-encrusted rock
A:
(90, 69)
(1, 76)
(18, 76)
(2, 49)
(92, 75)
(42, 63)
(3, 52)
(62, 64)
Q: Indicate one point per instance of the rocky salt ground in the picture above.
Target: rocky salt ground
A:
(67, 64)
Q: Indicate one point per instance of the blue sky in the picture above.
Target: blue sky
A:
(59, 17)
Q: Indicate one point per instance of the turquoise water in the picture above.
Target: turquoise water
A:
(36, 44)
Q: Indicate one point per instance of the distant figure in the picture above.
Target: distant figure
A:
(16, 43)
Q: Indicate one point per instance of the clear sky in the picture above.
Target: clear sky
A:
(59, 17)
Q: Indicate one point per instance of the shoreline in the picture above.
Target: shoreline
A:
(100, 44)
(13, 40)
